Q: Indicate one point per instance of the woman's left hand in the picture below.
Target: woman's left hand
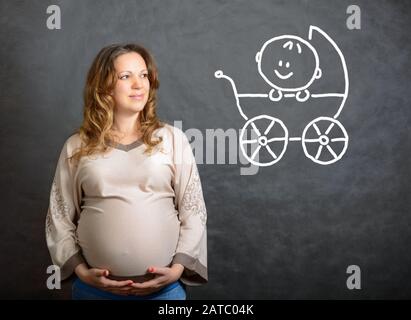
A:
(163, 277)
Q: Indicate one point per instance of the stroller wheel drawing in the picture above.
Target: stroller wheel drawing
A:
(324, 140)
(269, 138)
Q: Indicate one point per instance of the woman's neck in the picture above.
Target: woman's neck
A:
(126, 129)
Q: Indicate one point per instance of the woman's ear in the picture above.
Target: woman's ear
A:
(318, 74)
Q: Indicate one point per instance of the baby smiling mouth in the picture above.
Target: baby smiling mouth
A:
(288, 75)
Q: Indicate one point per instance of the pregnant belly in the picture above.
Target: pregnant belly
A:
(126, 241)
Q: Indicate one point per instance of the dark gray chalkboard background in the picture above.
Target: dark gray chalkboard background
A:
(289, 231)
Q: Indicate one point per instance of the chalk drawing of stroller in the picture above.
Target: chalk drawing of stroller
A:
(288, 81)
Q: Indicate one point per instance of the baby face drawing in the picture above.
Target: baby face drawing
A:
(288, 63)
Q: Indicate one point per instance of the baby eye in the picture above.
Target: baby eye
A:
(287, 65)
(280, 63)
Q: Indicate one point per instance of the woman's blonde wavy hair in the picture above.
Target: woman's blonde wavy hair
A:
(99, 105)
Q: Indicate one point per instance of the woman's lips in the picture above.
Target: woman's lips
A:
(137, 97)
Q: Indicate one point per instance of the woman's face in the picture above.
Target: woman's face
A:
(132, 87)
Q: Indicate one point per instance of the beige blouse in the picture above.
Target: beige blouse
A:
(126, 210)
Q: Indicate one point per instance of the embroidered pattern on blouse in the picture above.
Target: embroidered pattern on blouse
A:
(193, 197)
(58, 207)
(48, 224)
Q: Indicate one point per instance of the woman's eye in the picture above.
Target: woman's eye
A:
(144, 75)
(124, 77)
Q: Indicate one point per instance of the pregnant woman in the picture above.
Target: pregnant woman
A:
(126, 211)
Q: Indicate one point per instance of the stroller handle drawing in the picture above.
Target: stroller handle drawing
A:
(331, 148)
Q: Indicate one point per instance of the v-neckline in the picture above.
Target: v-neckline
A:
(125, 147)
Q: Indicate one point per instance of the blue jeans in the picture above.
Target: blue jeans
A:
(83, 291)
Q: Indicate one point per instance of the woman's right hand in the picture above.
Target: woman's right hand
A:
(98, 278)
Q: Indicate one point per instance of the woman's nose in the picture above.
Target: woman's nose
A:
(137, 82)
